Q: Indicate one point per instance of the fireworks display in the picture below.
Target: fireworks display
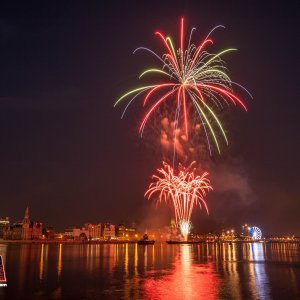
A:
(196, 81)
(191, 87)
(183, 191)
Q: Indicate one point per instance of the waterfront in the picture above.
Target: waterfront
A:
(162, 271)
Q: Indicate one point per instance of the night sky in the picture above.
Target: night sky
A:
(66, 153)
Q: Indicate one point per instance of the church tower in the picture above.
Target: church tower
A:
(26, 226)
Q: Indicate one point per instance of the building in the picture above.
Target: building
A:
(13, 232)
(80, 233)
(94, 231)
(109, 231)
(4, 223)
(68, 234)
(125, 233)
(31, 230)
(76, 233)
(25, 230)
(49, 233)
(87, 232)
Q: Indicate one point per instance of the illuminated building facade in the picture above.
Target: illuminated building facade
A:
(87, 232)
(31, 230)
(25, 230)
(94, 231)
(13, 232)
(109, 231)
(125, 233)
(49, 233)
(4, 223)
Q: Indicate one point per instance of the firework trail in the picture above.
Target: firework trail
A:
(196, 81)
(183, 190)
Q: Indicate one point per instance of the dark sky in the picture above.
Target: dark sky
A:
(66, 153)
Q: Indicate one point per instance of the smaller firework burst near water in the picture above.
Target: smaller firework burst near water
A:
(183, 190)
(185, 228)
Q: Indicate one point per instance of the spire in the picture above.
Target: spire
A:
(26, 216)
(26, 212)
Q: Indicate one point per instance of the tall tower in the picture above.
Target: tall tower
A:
(26, 226)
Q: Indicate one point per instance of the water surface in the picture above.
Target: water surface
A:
(160, 271)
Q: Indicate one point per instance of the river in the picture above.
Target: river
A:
(160, 271)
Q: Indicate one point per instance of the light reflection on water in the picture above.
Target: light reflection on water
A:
(184, 279)
(259, 279)
(160, 271)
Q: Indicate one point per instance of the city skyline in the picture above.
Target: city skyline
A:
(6, 222)
(66, 153)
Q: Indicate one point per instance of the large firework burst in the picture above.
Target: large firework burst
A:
(183, 190)
(196, 82)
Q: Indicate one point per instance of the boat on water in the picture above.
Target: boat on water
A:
(145, 240)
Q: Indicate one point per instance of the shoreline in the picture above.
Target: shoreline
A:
(63, 242)
(136, 242)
